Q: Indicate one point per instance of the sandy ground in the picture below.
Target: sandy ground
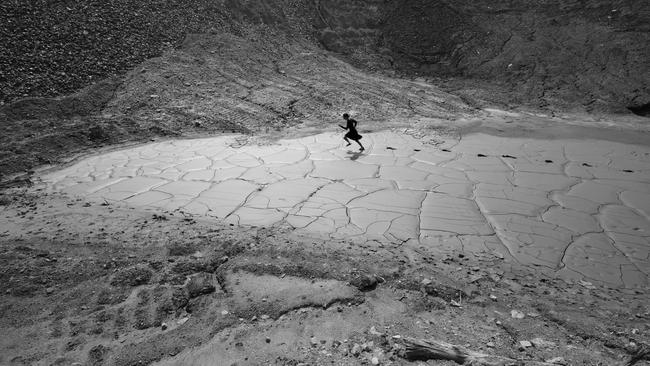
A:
(97, 282)
(93, 274)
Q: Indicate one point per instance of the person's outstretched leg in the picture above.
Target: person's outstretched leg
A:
(362, 148)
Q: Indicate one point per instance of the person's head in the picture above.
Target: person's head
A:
(346, 116)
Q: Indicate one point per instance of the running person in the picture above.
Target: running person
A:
(352, 134)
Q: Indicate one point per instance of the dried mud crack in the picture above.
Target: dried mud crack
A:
(111, 285)
(174, 189)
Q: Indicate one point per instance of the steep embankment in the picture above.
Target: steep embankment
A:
(551, 53)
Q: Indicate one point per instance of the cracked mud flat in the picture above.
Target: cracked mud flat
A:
(579, 209)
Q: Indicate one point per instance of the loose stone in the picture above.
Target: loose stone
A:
(516, 314)
(556, 360)
(524, 344)
(356, 349)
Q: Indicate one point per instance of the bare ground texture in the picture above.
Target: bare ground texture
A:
(258, 82)
(102, 283)
(109, 285)
(588, 55)
(73, 76)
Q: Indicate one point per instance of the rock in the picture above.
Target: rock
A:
(474, 278)
(224, 312)
(49, 290)
(163, 326)
(493, 298)
(490, 344)
(494, 277)
(264, 317)
(356, 349)
(182, 321)
(469, 290)
(344, 349)
(516, 314)
(364, 282)
(97, 355)
(313, 341)
(556, 360)
(540, 343)
(426, 281)
(374, 361)
(587, 285)
(514, 286)
(368, 346)
(200, 284)
(132, 276)
(524, 344)
(374, 331)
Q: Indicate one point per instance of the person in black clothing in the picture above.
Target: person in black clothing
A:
(352, 134)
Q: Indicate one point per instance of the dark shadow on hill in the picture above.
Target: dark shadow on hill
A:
(641, 110)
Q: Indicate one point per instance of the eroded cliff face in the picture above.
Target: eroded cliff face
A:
(592, 54)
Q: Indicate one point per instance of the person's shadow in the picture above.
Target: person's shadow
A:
(354, 155)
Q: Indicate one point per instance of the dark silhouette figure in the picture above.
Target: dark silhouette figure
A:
(352, 133)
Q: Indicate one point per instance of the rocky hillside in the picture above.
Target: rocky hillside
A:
(76, 75)
(549, 53)
(253, 69)
(52, 48)
(589, 53)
